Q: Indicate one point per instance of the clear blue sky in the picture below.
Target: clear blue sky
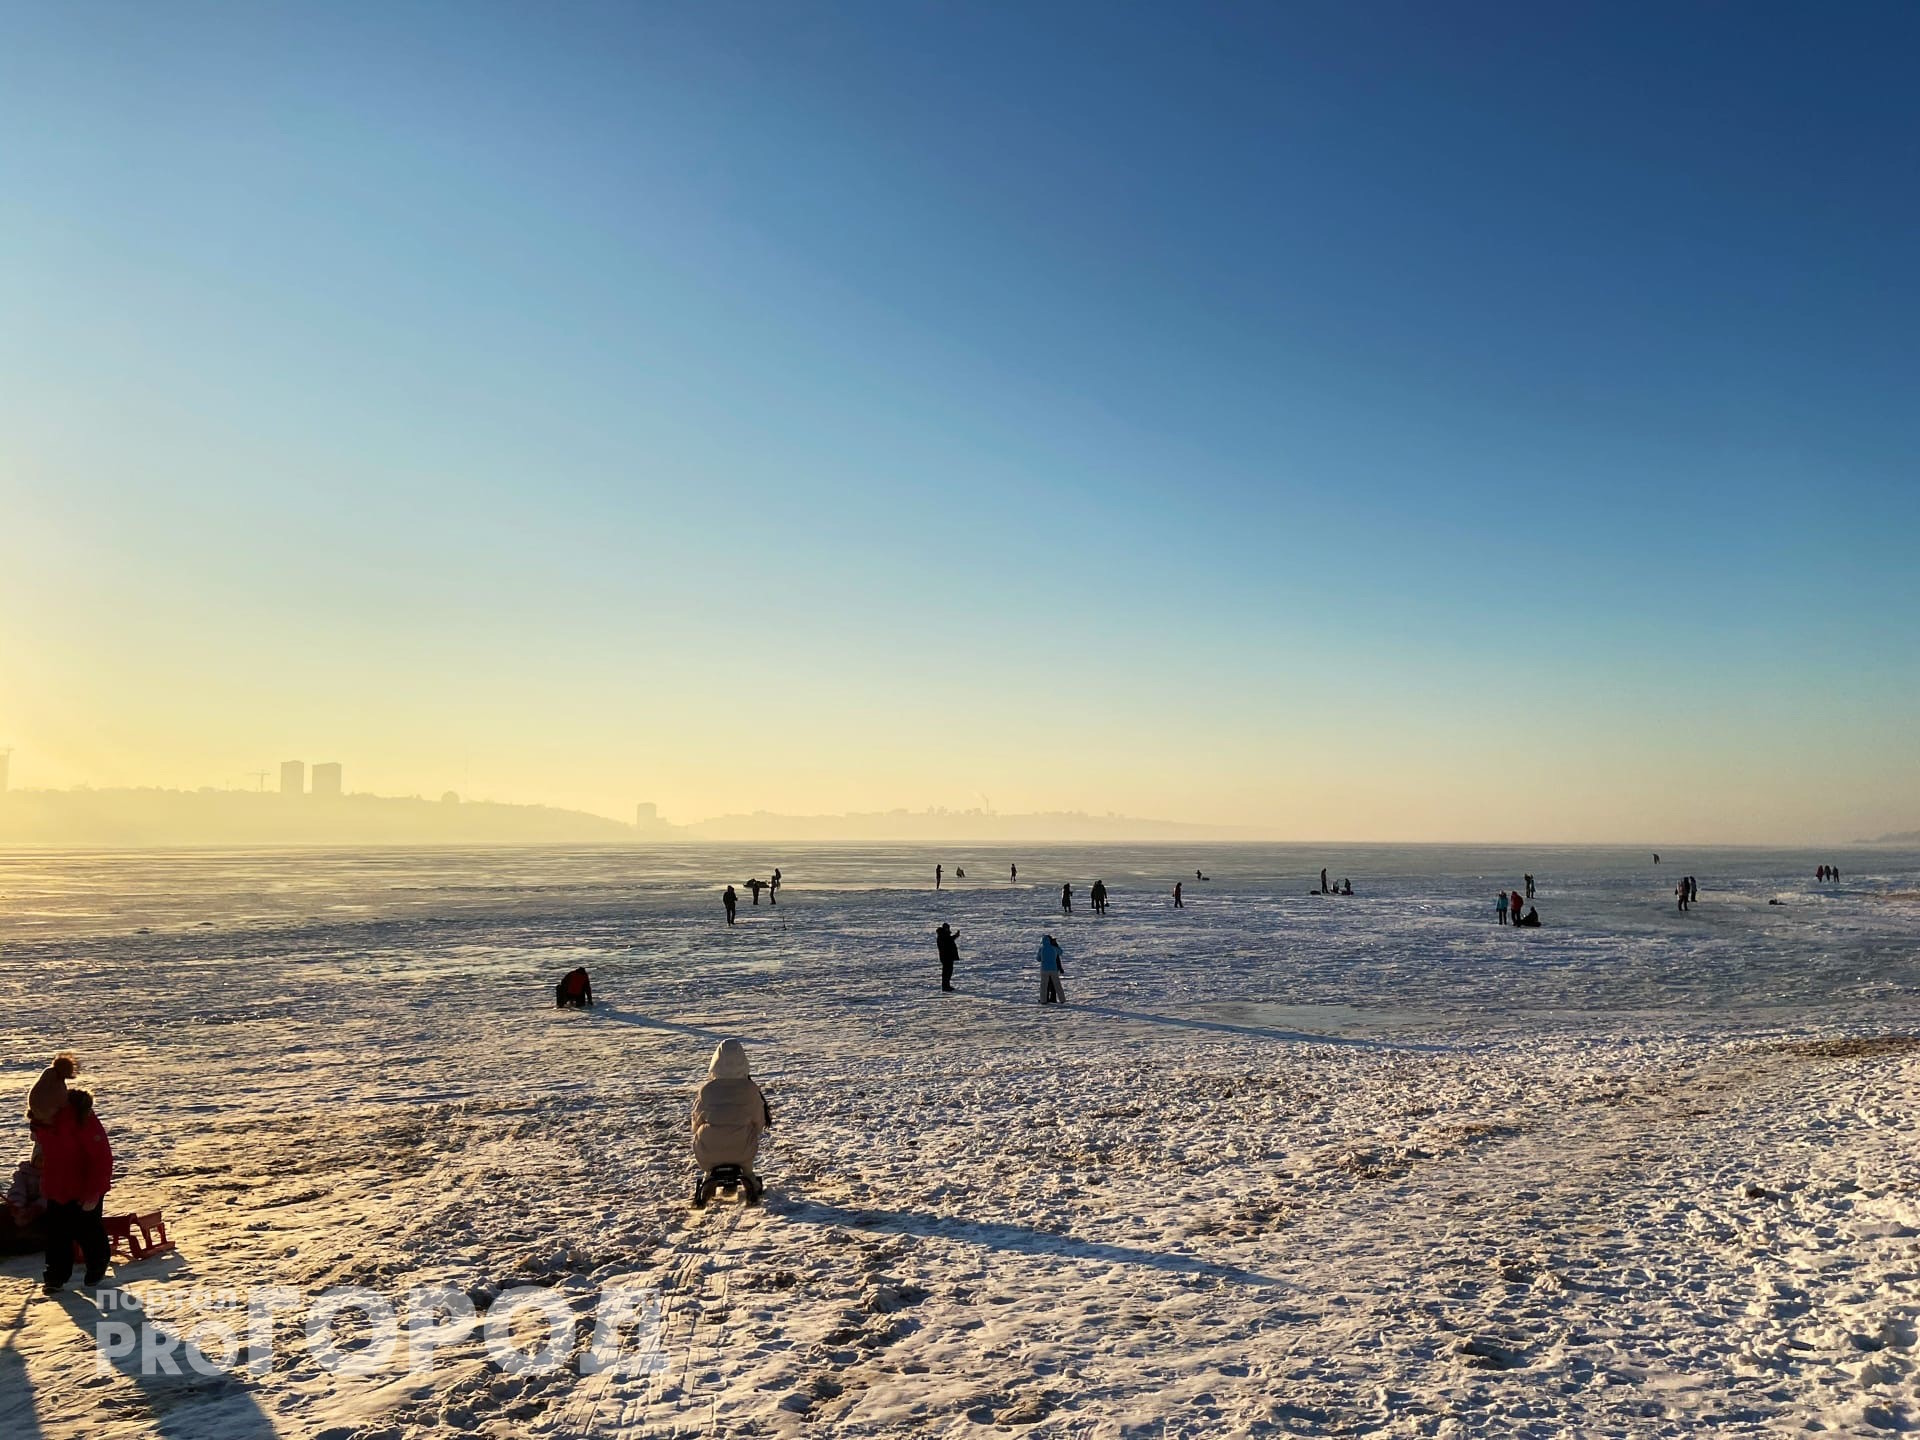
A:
(1354, 420)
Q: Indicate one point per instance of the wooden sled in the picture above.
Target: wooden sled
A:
(134, 1237)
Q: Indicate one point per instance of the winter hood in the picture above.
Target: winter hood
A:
(729, 1061)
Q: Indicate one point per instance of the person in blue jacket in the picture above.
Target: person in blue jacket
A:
(1051, 972)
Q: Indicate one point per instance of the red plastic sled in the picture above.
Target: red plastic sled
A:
(134, 1237)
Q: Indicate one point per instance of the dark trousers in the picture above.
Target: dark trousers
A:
(66, 1224)
(946, 974)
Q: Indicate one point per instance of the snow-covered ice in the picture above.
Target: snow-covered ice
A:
(1284, 1164)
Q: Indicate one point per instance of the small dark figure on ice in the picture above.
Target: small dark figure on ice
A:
(1099, 897)
(575, 990)
(946, 941)
(731, 901)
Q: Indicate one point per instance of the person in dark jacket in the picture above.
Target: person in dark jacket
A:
(947, 943)
(1099, 894)
(575, 990)
(1066, 899)
(75, 1177)
(1531, 919)
(731, 901)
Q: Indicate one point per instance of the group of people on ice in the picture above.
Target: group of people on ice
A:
(730, 900)
(1506, 906)
(56, 1195)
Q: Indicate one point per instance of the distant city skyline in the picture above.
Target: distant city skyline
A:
(1384, 422)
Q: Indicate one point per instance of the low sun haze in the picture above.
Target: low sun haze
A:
(1386, 422)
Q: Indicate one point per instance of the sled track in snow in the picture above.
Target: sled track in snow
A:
(663, 1402)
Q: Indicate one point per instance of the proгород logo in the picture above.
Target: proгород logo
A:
(351, 1330)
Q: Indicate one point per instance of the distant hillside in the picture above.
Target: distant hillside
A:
(236, 817)
(132, 818)
(878, 827)
(1903, 837)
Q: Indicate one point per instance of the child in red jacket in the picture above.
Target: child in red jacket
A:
(75, 1175)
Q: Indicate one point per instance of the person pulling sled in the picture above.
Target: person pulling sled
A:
(730, 1113)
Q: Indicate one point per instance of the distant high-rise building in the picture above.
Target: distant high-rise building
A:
(326, 778)
(646, 813)
(293, 777)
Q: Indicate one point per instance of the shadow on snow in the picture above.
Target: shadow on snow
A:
(999, 1235)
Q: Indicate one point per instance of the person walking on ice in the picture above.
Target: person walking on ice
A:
(1176, 896)
(945, 941)
(731, 901)
(1052, 992)
(730, 1113)
(1066, 899)
(1099, 894)
(937, 871)
(1500, 906)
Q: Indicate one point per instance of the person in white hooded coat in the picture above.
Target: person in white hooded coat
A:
(729, 1112)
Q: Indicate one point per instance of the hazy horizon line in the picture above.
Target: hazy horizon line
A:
(661, 831)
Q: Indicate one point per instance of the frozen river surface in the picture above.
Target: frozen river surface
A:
(1284, 1164)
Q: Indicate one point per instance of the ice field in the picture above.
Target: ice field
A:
(1284, 1164)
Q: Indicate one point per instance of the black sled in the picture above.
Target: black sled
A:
(728, 1178)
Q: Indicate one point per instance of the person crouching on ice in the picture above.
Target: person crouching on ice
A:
(730, 1113)
(1052, 992)
(575, 990)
